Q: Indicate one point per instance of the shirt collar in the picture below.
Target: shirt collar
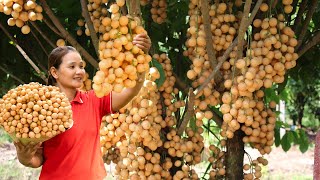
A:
(78, 98)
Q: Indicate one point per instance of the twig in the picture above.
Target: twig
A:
(11, 75)
(217, 68)
(207, 29)
(43, 34)
(51, 26)
(184, 88)
(297, 21)
(314, 41)
(226, 54)
(67, 36)
(23, 53)
(209, 130)
(86, 15)
(134, 8)
(306, 21)
(243, 28)
(189, 113)
(293, 12)
(39, 42)
(181, 85)
(216, 118)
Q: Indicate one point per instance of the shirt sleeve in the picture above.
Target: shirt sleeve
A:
(104, 103)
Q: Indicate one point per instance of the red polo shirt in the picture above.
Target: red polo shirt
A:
(76, 154)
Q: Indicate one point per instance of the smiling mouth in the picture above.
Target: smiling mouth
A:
(78, 78)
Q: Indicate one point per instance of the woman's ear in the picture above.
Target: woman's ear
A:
(53, 72)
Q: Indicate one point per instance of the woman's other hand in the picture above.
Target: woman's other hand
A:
(30, 154)
(142, 41)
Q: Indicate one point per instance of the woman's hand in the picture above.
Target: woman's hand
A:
(30, 154)
(142, 41)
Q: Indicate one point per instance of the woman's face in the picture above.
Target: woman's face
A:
(71, 71)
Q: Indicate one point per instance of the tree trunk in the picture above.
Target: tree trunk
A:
(300, 103)
(234, 156)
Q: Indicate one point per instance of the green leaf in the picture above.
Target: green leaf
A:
(271, 95)
(277, 139)
(304, 141)
(296, 138)
(285, 142)
(156, 64)
(290, 136)
(304, 146)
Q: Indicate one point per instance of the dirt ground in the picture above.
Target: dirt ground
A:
(290, 165)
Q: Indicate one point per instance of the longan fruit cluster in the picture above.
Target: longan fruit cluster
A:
(217, 159)
(121, 61)
(158, 11)
(253, 169)
(21, 12)
(35, 112)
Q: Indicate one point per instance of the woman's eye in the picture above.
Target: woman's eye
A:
(71, 67)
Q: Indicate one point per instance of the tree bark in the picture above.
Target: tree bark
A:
(243, 28)
(234, 156)
(309, 44)
(188, 115)
(312, 9)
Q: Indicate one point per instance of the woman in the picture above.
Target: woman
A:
(75, 154)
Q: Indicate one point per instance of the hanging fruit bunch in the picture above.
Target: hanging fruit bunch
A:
(158, 11)
(121, 60)
(269, 53)
(21, 12)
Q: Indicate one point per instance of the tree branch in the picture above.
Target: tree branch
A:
(39, 42)
(184, 88)
(51, 26)
(43, 34)
(207, 29)
(216, 118)
(243, 28)
(189, 113)
(314, 41)
(93, 35)
(305, 26)
(67, 36)
(180, 84)
(23, 53)
(226, 54)
(11, 75)
(297, 21)
(217, 68)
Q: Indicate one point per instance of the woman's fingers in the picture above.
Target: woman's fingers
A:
(33, 146)
(142, 41)
(18, 145)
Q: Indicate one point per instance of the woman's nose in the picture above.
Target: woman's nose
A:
(80, 70)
